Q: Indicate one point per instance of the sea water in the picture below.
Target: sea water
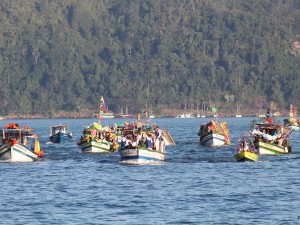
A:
(195, 185)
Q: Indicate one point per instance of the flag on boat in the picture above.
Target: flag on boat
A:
(37, 148)
(102, 106)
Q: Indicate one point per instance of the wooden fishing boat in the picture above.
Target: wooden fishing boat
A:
(60, 134)
(96, 138)
(144, 144)
(214, 134)
(245, 151)
(271, 139)
(17, 144)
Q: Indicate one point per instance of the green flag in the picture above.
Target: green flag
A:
(214, 109)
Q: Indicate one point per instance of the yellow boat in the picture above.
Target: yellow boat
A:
(246, 156)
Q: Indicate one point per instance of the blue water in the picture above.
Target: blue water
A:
(196, 185)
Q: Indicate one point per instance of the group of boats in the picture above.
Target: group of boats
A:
(137, 142)
(264, 138)
(140, 142)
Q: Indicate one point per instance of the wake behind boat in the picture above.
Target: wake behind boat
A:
(17, 144)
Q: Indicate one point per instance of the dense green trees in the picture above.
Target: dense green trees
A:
(63, 55)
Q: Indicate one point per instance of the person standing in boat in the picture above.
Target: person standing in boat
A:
(158, 133)
(149, 142)
(123, 142)
(158, 137)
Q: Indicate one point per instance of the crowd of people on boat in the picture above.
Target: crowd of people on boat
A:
(244, 147)
(135, 135)
(145, 139)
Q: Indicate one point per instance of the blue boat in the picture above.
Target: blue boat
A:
(60, 134)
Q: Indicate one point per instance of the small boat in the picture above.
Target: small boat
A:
(105, 113)
(60, 134)
(245, 151)
(261, 115)
(185, 116)
(124, 115)
(271, 139)
(96, 138)
(151, 116)
(17, 144)
(143, 143)
(214, 134)
(238, 115)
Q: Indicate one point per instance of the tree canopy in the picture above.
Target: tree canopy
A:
(65, 54)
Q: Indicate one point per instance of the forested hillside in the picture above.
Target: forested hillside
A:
(65, 54)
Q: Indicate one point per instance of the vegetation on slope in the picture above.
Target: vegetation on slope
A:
(64, 54)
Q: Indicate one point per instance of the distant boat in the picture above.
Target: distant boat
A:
(105, 113)
(238, 115)
(214, 134)
(185, 115)
(126, 115)
(202, 115)
(17, 146)
(260, 115)
(60, 134)
(151, 116)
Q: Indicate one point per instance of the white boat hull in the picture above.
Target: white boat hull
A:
(140, 156)
(213, 140)
(17, 153)
(94, 147)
